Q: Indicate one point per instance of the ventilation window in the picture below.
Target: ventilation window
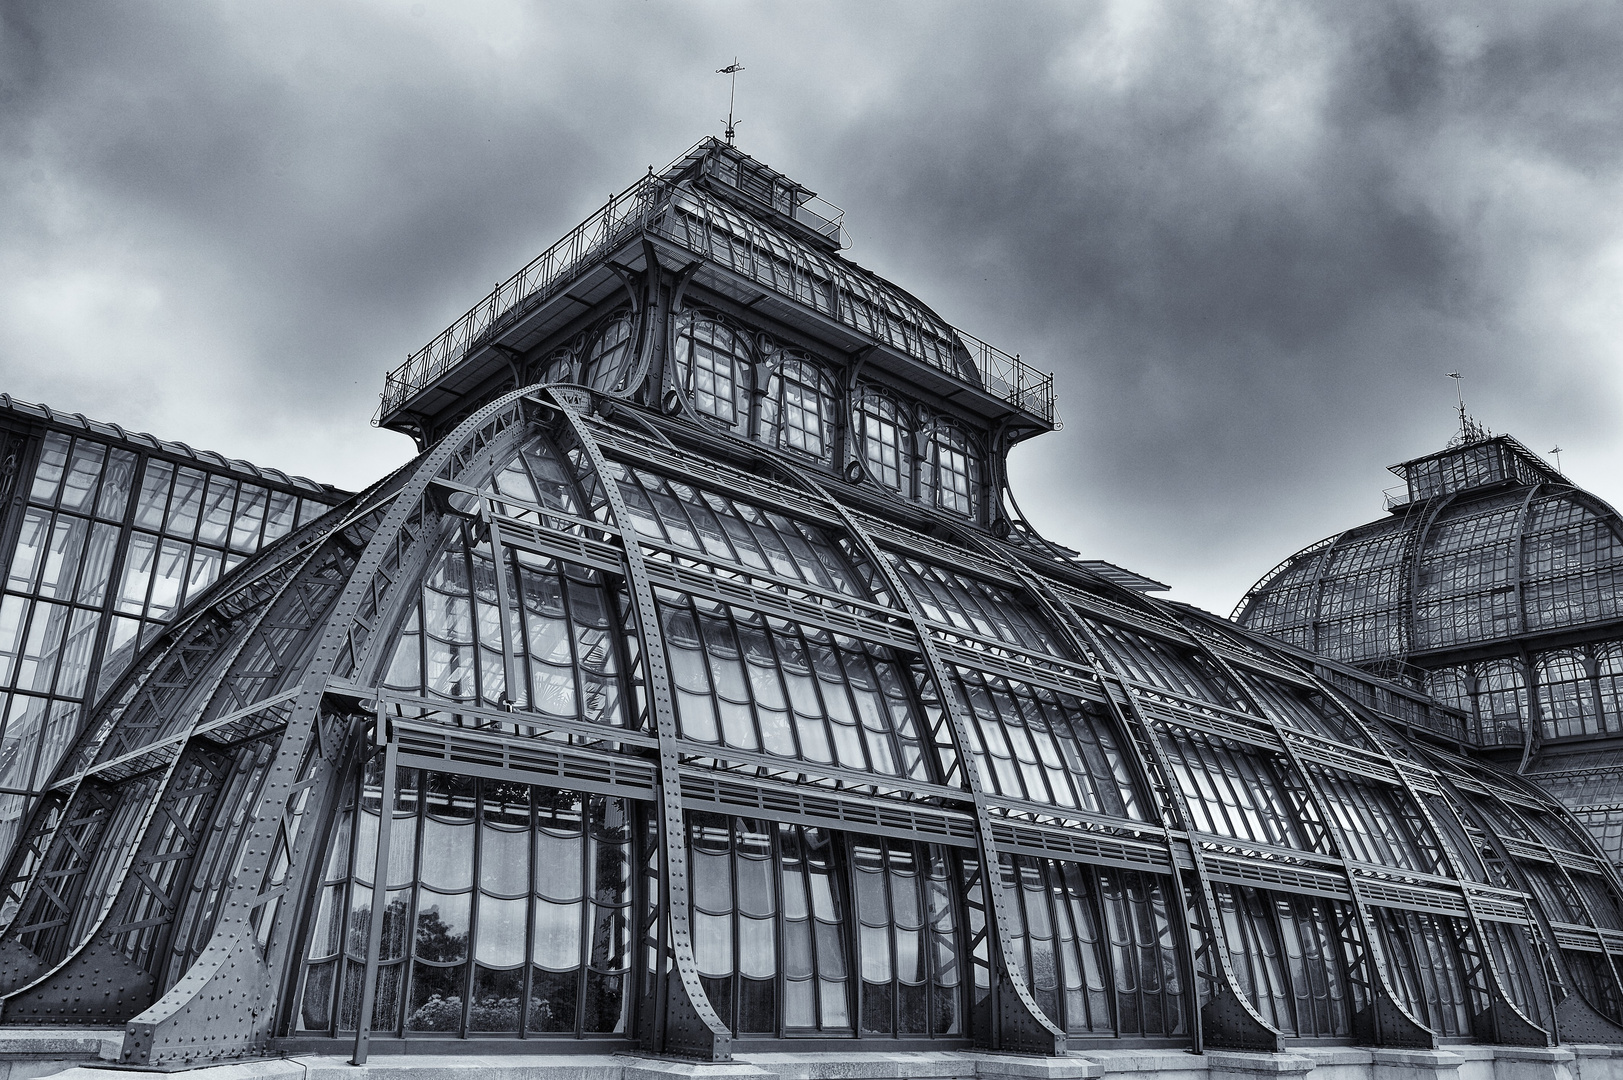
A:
(953, 466)
(885, 435)
(609, 365)
(713, 364)
(798, 411)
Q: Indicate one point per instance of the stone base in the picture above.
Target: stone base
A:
(44, 1053)
(29, 1052)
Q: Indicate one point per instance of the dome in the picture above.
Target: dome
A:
(1462, 568)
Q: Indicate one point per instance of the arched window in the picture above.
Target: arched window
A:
(1501, 701)
(950, 474)
(1450, 686)
(610, 363)
(1609, 677)
(886, 435)
(798, 410)
(1566, 696)
(713, 366)
(559, 367)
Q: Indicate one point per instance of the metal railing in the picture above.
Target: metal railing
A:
(643, 206)
(624, 214)
(1011, 379)
(822, 217)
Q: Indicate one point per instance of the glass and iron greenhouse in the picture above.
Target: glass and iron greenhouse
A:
(699, 687)
(1496, 585)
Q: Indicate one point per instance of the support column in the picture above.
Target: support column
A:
(688, 1024)
(1228, 1018)
(1020, 1022)
(380, 882)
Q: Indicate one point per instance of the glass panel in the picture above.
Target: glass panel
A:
(151, 504)
(218, 507)
(250, 516)
(53, 460)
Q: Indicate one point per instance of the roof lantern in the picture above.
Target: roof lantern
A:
(715, 223)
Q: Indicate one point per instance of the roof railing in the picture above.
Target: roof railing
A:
(624, 212)
(640, 206)
(1009, 378)
(822, 217)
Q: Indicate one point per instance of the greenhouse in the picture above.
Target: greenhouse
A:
(1494, 584)
(700, 690)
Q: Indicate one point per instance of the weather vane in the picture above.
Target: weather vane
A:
(1556, 450)
(731, 69)
(1470, 430)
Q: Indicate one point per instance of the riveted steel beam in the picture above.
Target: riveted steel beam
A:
(1393, 1024)
(688, 1023)
(113, 971)
(1228, 1018)
(228, 1003)
(1022, 1025)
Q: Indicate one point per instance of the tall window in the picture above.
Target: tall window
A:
(799, 929)
(798, 410)
(1501, 702)
(1609, 676)
(886, 433)
(713, 364)
(610, 364)
(1566, 694)
(952, 469)
(507, 910)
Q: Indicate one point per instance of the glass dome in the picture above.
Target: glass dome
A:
(1432, 577)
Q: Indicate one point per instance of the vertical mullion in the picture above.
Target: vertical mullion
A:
(380, 873)
(587, 881)
(475, 890)
(475, 655)
(852, 927)
(527, 982)
(498, 565)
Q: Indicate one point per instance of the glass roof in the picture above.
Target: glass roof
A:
(569, 681)
(1442, 574)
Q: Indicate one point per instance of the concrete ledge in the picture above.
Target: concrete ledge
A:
(1165, 1064)
(102, 1044)
(26, 1053)
(1248, 1063)
(73, 1051)
(1032, 1067)
(870, 1065)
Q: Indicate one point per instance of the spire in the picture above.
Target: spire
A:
(731, 69)
(1470, 431)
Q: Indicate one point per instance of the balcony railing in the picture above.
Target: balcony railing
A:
(1011, 379)
(644, 206)
(621, 216)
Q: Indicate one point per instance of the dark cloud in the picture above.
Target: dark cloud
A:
(1249, 238)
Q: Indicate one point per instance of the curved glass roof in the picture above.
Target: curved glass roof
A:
(1454, 570)
(580, 705)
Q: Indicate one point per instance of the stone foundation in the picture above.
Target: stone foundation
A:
(73, 1055)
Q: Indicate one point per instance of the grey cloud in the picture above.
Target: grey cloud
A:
(1248, 237)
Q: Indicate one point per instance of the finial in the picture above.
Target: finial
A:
(1470, 430)
(731, 69)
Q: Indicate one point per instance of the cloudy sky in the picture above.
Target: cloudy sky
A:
(1249, 238)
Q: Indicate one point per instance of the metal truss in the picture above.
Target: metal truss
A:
(293, 703)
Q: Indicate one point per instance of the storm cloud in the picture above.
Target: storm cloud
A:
(1248, 238)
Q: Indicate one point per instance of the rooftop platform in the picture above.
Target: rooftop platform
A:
(763, 248)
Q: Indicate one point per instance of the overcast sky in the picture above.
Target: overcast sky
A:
(1249, 238)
